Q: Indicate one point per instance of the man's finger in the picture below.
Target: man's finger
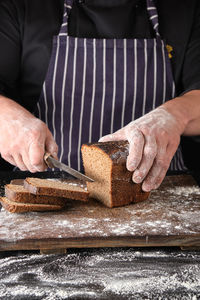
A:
(136, 144)
(51, 146)
(154, 179)
(158, 170)
(26, 161)
(9, 158)
(117, 136)
(149, 153)
(36, 156)
(19, 162)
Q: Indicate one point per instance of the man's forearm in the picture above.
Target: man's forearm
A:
(186, 109)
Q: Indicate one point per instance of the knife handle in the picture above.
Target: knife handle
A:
(47, 161)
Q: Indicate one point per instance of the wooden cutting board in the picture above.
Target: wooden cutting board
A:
(171, 217)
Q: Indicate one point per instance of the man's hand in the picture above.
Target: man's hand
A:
(23, 137)
(153, 140)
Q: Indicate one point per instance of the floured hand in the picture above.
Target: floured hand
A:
(23, 137)
(153, 140)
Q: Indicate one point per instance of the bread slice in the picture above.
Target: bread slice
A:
(106, 164)
(17, 193)
(52, 187)
(17, 181)
(16, 207)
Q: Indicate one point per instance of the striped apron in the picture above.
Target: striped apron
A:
(93, 87)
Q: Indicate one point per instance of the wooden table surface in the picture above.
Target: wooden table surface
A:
(169, 218)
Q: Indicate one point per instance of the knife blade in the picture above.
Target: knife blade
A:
(54, 163)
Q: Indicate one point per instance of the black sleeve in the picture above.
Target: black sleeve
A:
(10, 49)
(191, 81)
(9, 56)
(191, 65)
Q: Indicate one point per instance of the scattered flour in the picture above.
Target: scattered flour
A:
(176, 214)
(102, 274)
(185, 191)
(68, 182)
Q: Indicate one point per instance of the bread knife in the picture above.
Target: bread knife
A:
(54, 163)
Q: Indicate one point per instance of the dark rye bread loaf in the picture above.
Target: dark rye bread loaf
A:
(106, 164)
(16, 207)
(17, 193)
(56, 188)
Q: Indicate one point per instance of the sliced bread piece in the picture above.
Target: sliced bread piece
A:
(18, 193)
(52, 187)
(106, 164)
(17, 181)
(16, 207)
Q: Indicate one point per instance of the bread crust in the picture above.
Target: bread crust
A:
(16, 207)
(118, 184)
(64, 189)
(17, 193)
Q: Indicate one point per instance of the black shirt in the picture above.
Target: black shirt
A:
(27, 27)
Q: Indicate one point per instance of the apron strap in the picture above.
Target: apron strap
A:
(67, 7)
(151, 9)
(153, 16)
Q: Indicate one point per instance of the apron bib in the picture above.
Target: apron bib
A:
(94, 87)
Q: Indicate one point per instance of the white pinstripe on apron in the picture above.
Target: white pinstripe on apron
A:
(96, 86)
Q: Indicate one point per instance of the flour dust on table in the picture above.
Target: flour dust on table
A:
(102, 274)
(174, 209)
